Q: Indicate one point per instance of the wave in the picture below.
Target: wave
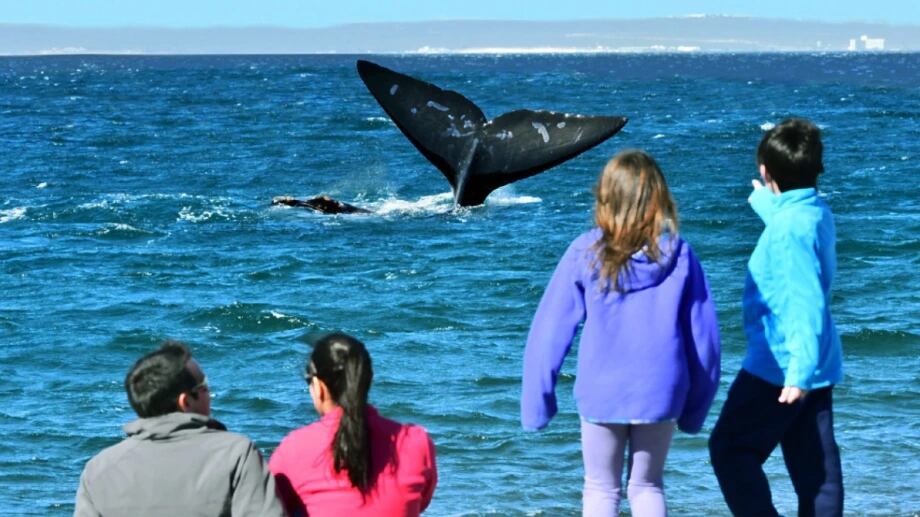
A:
(247, 317)
(122, 231)
(506, 196)
(12, 214)
(433, 204)
(880, 342)
(189, 214)
(443, 203)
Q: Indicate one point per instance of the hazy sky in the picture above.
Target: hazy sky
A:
(311, 13)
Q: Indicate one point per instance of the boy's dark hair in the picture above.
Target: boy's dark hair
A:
(156, 380)
(792, 152)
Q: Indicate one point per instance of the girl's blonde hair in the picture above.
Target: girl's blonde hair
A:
(633, 207)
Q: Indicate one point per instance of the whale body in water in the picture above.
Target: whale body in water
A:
(478, 155)
(324, 204)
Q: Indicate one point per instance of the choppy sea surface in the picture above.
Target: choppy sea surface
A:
(135, 206)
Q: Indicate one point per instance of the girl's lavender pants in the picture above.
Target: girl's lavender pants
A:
(603, 447)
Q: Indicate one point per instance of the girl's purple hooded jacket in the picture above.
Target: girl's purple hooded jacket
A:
(649, 354)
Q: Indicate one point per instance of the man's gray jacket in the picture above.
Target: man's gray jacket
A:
(178, 464)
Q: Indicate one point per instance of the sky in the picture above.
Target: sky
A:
(312, 14)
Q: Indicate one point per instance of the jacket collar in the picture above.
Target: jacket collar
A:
(163, 426)
(794, 196)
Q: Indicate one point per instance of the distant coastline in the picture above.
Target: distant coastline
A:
(677, 34)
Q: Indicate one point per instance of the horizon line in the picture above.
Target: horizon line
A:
(691, 16)
(465, 52)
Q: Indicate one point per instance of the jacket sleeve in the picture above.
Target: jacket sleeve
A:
(763, 201)
(84, 506)
(290, 499)
(700, 328)
(801, 304)
(430, 473)
(554, 325)
(254, 487)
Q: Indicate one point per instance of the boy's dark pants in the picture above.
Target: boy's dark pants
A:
(752, 423)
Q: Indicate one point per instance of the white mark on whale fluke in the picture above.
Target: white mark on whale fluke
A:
(414, 111)
(542, 130)
(560, 125)
(467, 124)
(393, 89)
(506, 135)
(439, 107)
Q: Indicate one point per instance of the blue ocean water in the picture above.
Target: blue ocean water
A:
(135, 206)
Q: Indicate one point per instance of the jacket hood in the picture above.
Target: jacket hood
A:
(642, 272)
(164, 426)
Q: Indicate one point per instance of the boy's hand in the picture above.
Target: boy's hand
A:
(791, 394)
(757, 186)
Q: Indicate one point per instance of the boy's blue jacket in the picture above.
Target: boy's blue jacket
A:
(650, 354)
(791, 337)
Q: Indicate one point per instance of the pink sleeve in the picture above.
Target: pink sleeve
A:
(283, 486)
(430, 471)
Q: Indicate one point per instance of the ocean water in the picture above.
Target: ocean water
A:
(135, 206)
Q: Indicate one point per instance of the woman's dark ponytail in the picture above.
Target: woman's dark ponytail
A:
(343, 364)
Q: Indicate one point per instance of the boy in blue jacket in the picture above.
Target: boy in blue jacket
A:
(782, 396)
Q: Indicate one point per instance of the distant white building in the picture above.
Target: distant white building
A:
(872, 43)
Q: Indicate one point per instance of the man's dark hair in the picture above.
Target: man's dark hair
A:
(793, 154)
(157, 379)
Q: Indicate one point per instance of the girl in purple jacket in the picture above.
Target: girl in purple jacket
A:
(649, 352)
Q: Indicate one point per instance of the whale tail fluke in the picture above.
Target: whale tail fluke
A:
(475, 154)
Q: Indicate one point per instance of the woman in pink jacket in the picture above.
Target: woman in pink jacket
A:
(352, 461)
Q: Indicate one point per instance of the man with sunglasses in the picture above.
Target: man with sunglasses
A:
(176, 460)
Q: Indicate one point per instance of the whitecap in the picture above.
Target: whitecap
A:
(43, 184)
(513, 200)
(766, 126)
(659, 135)
(95, 204)
(111, 228)
(187, 214)
(506, 196)
(12, 214)
(433, 204)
